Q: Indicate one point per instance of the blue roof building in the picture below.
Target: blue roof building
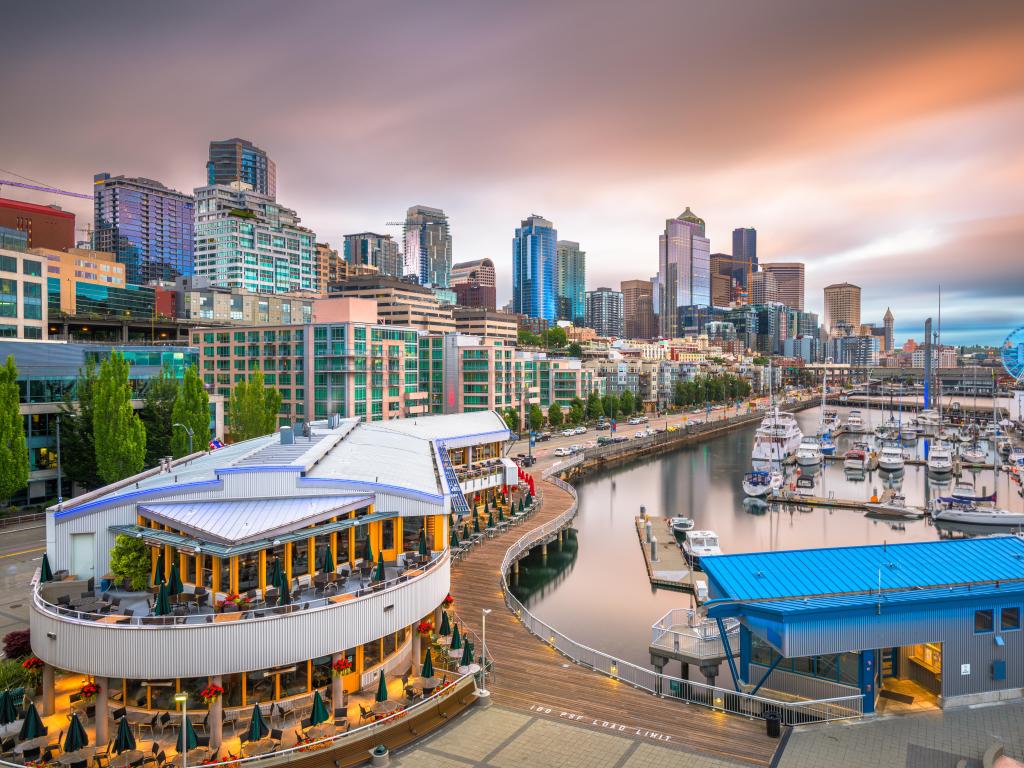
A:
(941, 619)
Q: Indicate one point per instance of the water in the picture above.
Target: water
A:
(597, 590)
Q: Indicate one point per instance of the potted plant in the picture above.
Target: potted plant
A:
(341, 667)
(449, 601)
(425, 628)
(88, 692)
(211, 693)
(241, 601)
(33, 667)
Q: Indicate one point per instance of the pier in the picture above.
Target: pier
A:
(670, 570)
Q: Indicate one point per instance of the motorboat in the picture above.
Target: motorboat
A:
(1004, 445)
(891, 458)
(896, 506)
(974, 453)
(886, 432)
(855, 458)
(948, 435)
(830, 421)
(908, 433)
(698, 545)
(828, 448)
(855, 422)
(967, 492)
(1016, 457)
(927, 421)
(808, 454)
(777, 438)
(680, 524)
(940, 459)
(761, 483)
(966, 513)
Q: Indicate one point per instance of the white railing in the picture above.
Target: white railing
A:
(682, 630)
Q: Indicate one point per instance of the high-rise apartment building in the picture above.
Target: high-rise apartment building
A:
(328, 266)
(842, 305)
(475, 284)
(399, 302)
(148, 227)
(428, 246)
(246, 239)
(638, 319)
(684, 268)
(571, 279)
(236, 159)
(45, 226)
(763, 288)
(604, 311)
(371, 249)
(534, 270)
(744, 253)
(789, 280)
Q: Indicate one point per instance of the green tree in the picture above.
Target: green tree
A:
(78, 446)
(157, 403)
(557, 337)
(555, 417)
(678, 394)
(759, 360)
(253, 409)
(119, 433)
(191, 408)
(527, 338)
(536, 417)
(595, 409)
(511, 417)
(577, 411)
(130, 559)
(574, 350)
(627, 403)
(13, 450)
(611, 406)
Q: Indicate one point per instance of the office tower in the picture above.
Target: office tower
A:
(721, 289)
(474, 283)
(147, 226)
(638, 320)
(45, 226)
(889, 325)
(371, 249)
(763, 288)
(570, 276)
(789, 279)
(684, 269)
(736, 273)
(428, 246)
(23, 287)
(842, 306)
(534, 273)
(744, 253)
(604, 311)
(246, 239)
(234, 160)
(328, 266)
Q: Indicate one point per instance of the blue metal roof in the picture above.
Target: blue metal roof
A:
(825, 572)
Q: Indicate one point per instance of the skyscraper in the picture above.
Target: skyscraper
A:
(684, 269)
(240, 160)
(744, 253)
(763, 288)
(146, 225)
(789, 280)
(571, 273)
(534, 273)
(474, 283)
(842, 305)
(371, 249)
(604, 311)
(638, 319)
(889, 324)
(428, 246)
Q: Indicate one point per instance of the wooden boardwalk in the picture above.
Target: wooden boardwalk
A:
(530, 676)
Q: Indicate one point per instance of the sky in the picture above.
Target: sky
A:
(881, 143)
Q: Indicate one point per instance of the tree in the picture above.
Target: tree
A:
(595, 409)
(191, 408)
(253, 409)
(555, 417)
(511, 417)
(78, 446)
(527, 338)
(157, 403)
(130, 559)
(577, 411)
(536, 417)
(611, 406)
(18, 644)
(117, 429)
(759, 360)
(556, 337)
(13, 449)
(574, 350)
(627, 403)
(679, 394)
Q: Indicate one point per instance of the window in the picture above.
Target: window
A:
(1009, 619)
(32, 268)
(983, 621)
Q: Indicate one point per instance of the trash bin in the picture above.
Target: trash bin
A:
(773, 725)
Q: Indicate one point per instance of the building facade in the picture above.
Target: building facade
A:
(476, 321)
(763, 288)
(399, 302)
(744, 254)
(237, 306)
(475, 284)
(789, 281)
(842, 306)
(86, 283)
(372, 249)
(45, 226)
(534, 269)
(148, 227)
(604, 312)
(571, 279)
(23, 307)
(889, 324)
(428, 246)
(638, 318)
(329, 267)
(238, 160)
(684, 270)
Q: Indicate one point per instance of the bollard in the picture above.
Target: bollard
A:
(654, 549)
(647, 531)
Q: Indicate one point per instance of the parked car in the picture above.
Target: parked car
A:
(643, 433)
(581, 430)
(542, 436)
(528, 461)
(563, 451)
(575, 448)
(603, 425)
(637, 420)
(568, 432)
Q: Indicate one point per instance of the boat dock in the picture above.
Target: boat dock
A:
(795, 497)
(670, 570)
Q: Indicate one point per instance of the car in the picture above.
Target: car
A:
(575, 448)
(675, 427)
(568, 432)
(603, 425)
(563, 451)
(581, 430)
(636, 420)
(528, 461)
(643, 433)
(543, 436)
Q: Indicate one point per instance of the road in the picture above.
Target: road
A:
(21, 551)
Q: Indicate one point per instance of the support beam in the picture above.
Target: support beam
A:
(766, 673)
(728, 654)
(216, 719)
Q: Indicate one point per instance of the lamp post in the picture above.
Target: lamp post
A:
(483, 651)
(188, 431)
(182, 698)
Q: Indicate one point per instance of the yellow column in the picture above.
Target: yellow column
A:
(311, 555)
(334, 547)
(263, 571)
(288, 563)
(399, 545)
(351, 533)
(183, 565)
(199, 570)
(375, 537)
(168, 554)
(153, 557)
(216, 579)
(233, 575)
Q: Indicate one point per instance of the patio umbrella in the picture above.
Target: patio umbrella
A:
(423, 543)
(453, 540)
(529, 499)
(446, 628)
(382, 688)
(45, 573)
(467, 655)
(490, 520)
(327, 561)
(7, 712)
(31, 726)
(187, 740)
(125, 740)
(174, 585)
(162, 607)
(428, 667)
(476, 524)
(379, 575)
(284, 596)
(465, 531)
(76, 738)
(275, 572)
(160, 567)
(456, 638)
(370, 557)
(257, 727)
(319, 713)
(501, 515)
(520, 503)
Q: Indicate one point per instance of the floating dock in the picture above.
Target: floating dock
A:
(670, 570)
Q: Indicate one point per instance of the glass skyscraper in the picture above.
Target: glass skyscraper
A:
(534, 271)
(744, 254)
(684, 265)
(147, 226)
(241, 160)
(571, 274)
(428, 246)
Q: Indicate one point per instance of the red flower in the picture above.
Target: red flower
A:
(32, 663)
(448, 601)
(342, 666)
(425, 627)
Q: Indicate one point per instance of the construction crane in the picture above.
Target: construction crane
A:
(38, 188)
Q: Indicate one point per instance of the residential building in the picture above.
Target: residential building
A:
(86, 283)
(45, 226)
(856, 351)
(23, 308)
(238, 160)
(763, 288)
(802, 347)
(842, 305)
(399, 302)
(744, 254)
(475, 284)
(330, 266)
(604, 311)
(889, 324)
(428, 246)
(570, 279)
(638, 318)
(374, 250)
(684, 269)
(246, 239)
(942, 357)
(534, 269)
(147, 226)
(789, 281)
(477, 321)
(198, 300)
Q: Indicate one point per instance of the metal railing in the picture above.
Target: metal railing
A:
(681, 630)
(459, 504)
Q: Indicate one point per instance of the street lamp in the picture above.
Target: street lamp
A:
(182, 698)
(483, 653)
(188, 431)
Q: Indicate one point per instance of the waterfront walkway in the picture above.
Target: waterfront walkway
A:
(533, 679)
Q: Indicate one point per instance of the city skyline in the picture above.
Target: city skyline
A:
(881, 165)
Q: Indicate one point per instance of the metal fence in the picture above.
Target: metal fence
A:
(681, 630)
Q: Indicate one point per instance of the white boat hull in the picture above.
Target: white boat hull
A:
(808, 459)
(980, 517)
(891, 465)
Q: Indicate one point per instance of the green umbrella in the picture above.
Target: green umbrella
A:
(160, 567)
(446, 628)
(453, 540)
(520, 503)
(31, 726)
(369, 546)
(76, 738)
(529, 499)
(456, 638)
(490, 520)
(327, 561)
(476, 524)
(7, 712)
(428, 667)
(257, 727)
(382, 688)
(501, 515)
(45, 573)
(125, 740)
(467, 655)
(319, 713)
(162, 607)
(423, 543)
(284, 596)
(465, 531)
(276, 572)
(174, 585)
(186, 737)
(379, 575)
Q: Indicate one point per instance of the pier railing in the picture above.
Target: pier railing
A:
(682, 631)
(794, 712)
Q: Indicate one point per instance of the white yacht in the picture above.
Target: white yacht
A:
(896, 507)
(974, 453)
(908, 432)
(972, 514)
(777, 438)
(855, 422)
(761, 483)
(808, 453)
(830, 421)
(698, 545)
(890, 458)
(940, 459)
(855, 458)
(928, 421)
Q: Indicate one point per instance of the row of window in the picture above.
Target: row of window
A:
(985, 620)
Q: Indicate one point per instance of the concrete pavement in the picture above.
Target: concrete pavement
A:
(21, 551)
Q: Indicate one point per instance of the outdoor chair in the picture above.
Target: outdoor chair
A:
(47, 755)
(64, 600)
(203, 741)
(58, 745)
(79, 764)
(31, 755)
(365, 714)
(276, 734)
(7, 746)
(164, 721)
(118, 713)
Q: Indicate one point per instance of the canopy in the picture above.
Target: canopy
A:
(76, 738)
(257, 726)
(125, 739)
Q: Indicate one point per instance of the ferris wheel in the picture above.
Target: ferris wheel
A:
(1012, 353)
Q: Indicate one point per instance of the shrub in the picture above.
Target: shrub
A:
(16, 644)
(130, 559)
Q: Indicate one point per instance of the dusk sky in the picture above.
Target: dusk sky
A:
(880, 142)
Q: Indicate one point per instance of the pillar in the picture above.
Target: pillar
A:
(47, 690)
(866, 679)
(102, 713)
(337, 684)
(684, 671)
(417, 642)
(216, 719)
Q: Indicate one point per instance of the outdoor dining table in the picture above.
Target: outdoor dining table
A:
(28, 744)
(195, 756)
(112, 618)
(233, 616)
(321, 731)
(126, 758)
(384, 708)
(428, 684)
(341, 598)
(77, 756)
(259, 747)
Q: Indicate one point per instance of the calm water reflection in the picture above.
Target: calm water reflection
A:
(602, 597)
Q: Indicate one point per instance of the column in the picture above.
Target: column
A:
(337, 683)
(416, 642)
(746, 648)
(47, 690)
(102, 713)
(216, 719)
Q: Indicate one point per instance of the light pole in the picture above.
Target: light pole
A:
(182, 698)
(483, 651)
(188, 431)
(60, 480)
